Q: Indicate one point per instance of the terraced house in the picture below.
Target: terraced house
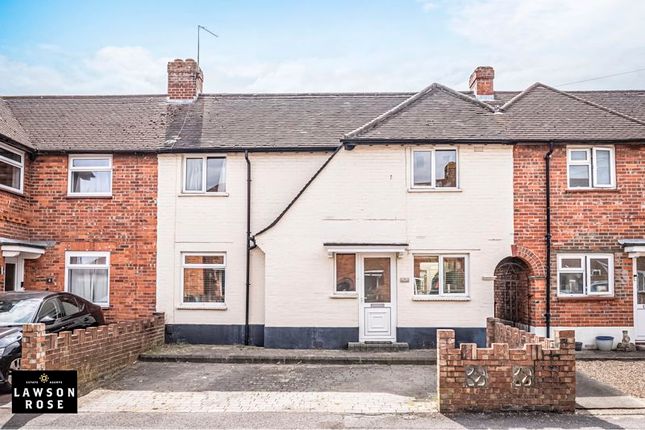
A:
(316, 220)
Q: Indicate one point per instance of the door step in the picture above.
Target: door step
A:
(373, 346)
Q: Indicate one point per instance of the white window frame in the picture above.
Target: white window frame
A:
(585, 269)
(184, 265)
(335, 292)
(592, 167)
(20, 165)
(204, 159)
(71, 169)
(442, 271)
(68, 266)
(434, 168)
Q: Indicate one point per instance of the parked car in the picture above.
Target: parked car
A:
(58, 311)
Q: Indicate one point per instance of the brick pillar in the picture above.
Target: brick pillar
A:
(445, 342)
(33, 347)
(490, 331)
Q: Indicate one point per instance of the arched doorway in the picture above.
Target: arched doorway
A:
(512, 293)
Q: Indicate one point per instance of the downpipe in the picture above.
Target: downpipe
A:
(547, 238)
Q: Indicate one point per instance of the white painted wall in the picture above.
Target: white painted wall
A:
(362, 196)
(194, 223)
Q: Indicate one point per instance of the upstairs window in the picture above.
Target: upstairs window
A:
(90, 176)
(585, 274)
(12, 164)
(591, 167)
(434, 168)
(204, 174)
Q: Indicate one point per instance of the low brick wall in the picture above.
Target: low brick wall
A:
(94, 352)
(534, 375)
(500, 331)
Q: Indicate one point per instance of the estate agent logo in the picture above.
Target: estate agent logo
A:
(44, 392)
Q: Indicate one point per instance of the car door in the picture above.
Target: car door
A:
(51, 314)
(75, 316)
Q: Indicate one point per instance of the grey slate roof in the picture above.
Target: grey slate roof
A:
(93, 123)
(228, 122)
(270, 121)
(10, 127)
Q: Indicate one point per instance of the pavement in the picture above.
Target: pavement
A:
(230, 395)
(253, 354)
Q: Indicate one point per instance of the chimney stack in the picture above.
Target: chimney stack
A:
(185, 80)
(481, 83)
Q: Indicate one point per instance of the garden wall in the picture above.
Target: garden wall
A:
(94, 352)
(518, 371)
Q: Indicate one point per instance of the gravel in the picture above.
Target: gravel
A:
(626, 376)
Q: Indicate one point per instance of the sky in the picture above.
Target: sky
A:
(123, 46)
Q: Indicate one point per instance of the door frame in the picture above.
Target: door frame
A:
(360, 284)
(20, 272)
(635, 288)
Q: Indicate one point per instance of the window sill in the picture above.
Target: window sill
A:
(434, 190)
(202, 195)
(12, 191)
(418, 298)
(203, 306)
(592, 190)
(587, 298)
(344, 296)
(89, 196)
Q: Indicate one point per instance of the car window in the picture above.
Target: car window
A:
(70, 305)
(50, 308)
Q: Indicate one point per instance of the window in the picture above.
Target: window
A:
(345, 273)
(437, 275)
(203, 278)
(49, 310)
(70, 305)
(434, 168)
(591, 167)
(88, 276)
(90, 175)
(585, 274)
(204, 174)
(12, 163)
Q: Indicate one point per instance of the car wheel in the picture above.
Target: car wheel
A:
(15, 365)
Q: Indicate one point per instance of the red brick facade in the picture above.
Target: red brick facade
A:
(124, 225)
(583, 221)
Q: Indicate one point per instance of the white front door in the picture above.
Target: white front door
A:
(13, 273)
(377, 294)
(639, 287)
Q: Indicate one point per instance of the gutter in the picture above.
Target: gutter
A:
(547, 237)
(248, 248)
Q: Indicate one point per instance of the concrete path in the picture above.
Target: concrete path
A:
(254, 355)
(591, 394)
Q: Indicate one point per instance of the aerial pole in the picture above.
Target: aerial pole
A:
(199, 29)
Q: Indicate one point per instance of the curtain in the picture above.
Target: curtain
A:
(216, 175)
(91, 182)
(91, 284)
(194, 174)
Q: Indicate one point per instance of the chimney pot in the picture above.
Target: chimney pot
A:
(481, 83)
(185, 80)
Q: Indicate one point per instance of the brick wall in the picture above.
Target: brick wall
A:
(582, 221)
(500, 377)
(124, 225)
(94, 352)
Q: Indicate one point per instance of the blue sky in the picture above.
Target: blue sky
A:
(122, 47)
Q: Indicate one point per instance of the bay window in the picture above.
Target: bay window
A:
(12, 165)
(204, 174)
(90, 175)
(591, 167)
(585, 274)
(88, 276)
(434, 168)
(440, 275)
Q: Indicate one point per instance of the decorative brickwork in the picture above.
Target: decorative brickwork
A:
(95, 352)
(583, 221)
(534, 375)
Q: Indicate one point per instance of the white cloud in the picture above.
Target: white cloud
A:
(427, 5)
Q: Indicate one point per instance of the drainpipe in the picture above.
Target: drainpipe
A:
(248, 246)
(547, 237)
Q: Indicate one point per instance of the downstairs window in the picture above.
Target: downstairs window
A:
(585, 274)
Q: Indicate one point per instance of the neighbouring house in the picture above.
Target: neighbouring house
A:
(315, 220)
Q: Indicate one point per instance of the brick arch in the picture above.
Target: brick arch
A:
(535, 264)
